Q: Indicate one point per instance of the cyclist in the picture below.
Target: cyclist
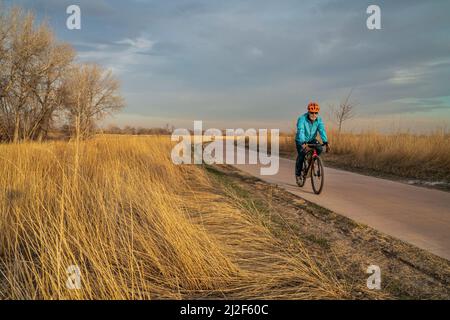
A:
(308, 125)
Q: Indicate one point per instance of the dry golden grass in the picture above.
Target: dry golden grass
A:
(404, 154)
(138, 227)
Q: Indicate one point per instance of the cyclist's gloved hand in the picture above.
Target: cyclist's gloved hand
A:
(305, 146)
(327, 147)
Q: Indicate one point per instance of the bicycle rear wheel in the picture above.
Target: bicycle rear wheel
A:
(317, 175)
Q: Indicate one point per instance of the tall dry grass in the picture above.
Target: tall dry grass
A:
(138, 227)
(407, 155)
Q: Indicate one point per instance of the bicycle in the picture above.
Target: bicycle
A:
(313, 166)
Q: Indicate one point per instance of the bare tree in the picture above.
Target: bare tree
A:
(47, 91)
(32, 65)
(4, 37)
(343, 112)
(90, 93)
(26, 44)
(39, 82)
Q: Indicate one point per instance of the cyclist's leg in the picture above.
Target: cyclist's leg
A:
(300, 159)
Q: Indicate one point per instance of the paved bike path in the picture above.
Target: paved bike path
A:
(413, 214)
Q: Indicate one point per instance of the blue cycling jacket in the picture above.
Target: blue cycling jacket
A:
(307, 130)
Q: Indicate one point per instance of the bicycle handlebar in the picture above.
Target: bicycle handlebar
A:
(315, 145)
(312, 145)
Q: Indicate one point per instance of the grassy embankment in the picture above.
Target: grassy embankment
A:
(138, 226)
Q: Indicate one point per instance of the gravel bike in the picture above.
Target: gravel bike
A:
(312, 166)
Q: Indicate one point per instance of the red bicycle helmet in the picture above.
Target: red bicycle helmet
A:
(313, 107)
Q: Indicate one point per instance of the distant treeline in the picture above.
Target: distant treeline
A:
(138, 131)
(167, 130)
(41, 86)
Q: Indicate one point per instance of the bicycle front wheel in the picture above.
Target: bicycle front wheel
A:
(317, 175)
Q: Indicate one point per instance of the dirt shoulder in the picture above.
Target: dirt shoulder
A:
(341, 245)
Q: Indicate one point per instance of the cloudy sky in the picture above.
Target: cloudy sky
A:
(256, 63)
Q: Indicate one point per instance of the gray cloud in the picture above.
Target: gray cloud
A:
(247, 59)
